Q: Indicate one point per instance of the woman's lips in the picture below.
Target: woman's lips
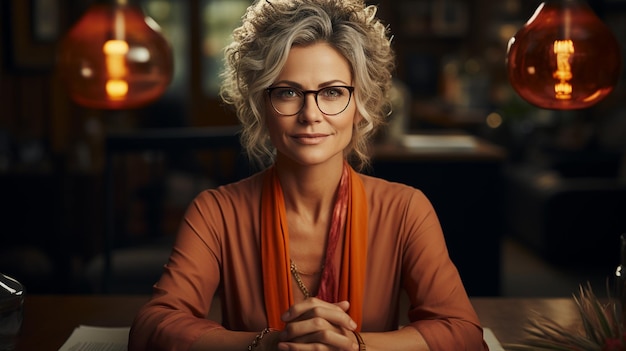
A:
(310, 139)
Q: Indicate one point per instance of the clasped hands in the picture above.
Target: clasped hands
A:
(314, 324)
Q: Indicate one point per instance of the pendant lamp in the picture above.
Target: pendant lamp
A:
(564, 58)
(115, 58)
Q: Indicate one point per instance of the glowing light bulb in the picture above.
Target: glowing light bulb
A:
(563, 49)
(564, 57)
(112, 58)
(116, 86)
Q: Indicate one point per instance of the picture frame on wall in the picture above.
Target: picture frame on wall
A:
(442, 18)
(422, 73)
(414, 17)
(34, 30)
(450, 18)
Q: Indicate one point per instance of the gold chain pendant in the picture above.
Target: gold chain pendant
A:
(296, 275)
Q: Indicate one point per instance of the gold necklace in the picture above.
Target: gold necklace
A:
(296, 275)
(307, 273)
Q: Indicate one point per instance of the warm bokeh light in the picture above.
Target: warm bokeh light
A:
(117, 89)
(564, 58)
(113, 59)
(494, 120)
(115, 51)
(563, 49)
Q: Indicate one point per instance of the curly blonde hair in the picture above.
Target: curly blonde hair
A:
(260, 48)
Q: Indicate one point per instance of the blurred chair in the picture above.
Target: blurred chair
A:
(169, 168)
(571, 222)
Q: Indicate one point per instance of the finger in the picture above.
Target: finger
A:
(317, 328)
(302, 307)
(313, 307)
(326, 339)
(334, 317)
(344, 305)
(296, 330)
(288, 346)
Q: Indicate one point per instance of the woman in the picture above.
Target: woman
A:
(308, 254)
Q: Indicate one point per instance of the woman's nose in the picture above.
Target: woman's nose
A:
(310, 112)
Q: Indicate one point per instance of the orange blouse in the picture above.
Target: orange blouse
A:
(217, 253)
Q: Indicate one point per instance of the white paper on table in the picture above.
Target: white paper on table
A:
(439, 141)
(490, 339)
(88, 338)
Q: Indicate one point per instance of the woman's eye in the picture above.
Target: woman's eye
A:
(332, 92)
(286, 93)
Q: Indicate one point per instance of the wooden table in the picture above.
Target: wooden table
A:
(50, 319)
(507, 316)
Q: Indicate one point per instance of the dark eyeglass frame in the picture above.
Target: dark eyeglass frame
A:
(304, 94)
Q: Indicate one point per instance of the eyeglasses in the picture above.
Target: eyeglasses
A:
(289, 101)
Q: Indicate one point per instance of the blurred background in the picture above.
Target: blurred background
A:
(542, 200)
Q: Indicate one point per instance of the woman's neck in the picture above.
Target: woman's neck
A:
(309, 191)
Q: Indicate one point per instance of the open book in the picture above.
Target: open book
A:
(97, 339)
(490, 339)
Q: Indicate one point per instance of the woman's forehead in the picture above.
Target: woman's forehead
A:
(315, 63)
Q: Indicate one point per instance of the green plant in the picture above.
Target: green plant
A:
(602, 328)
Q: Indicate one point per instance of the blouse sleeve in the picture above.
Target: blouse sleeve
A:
(176, 315)
(440, 308)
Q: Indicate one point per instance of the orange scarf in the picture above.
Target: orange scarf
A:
(351, 208)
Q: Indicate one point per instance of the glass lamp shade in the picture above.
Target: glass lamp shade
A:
(564, 58)
(115, 58)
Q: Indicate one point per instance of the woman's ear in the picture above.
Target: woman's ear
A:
(357, 118)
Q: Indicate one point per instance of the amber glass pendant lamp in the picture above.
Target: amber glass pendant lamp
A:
(115, 57)
(564, 58)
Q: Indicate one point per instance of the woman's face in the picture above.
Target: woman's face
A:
(311, 137)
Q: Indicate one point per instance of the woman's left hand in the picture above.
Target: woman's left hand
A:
(314, 324)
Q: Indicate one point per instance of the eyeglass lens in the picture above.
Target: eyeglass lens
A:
(289, 101)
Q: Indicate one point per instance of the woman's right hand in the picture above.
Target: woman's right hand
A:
(314, 324)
